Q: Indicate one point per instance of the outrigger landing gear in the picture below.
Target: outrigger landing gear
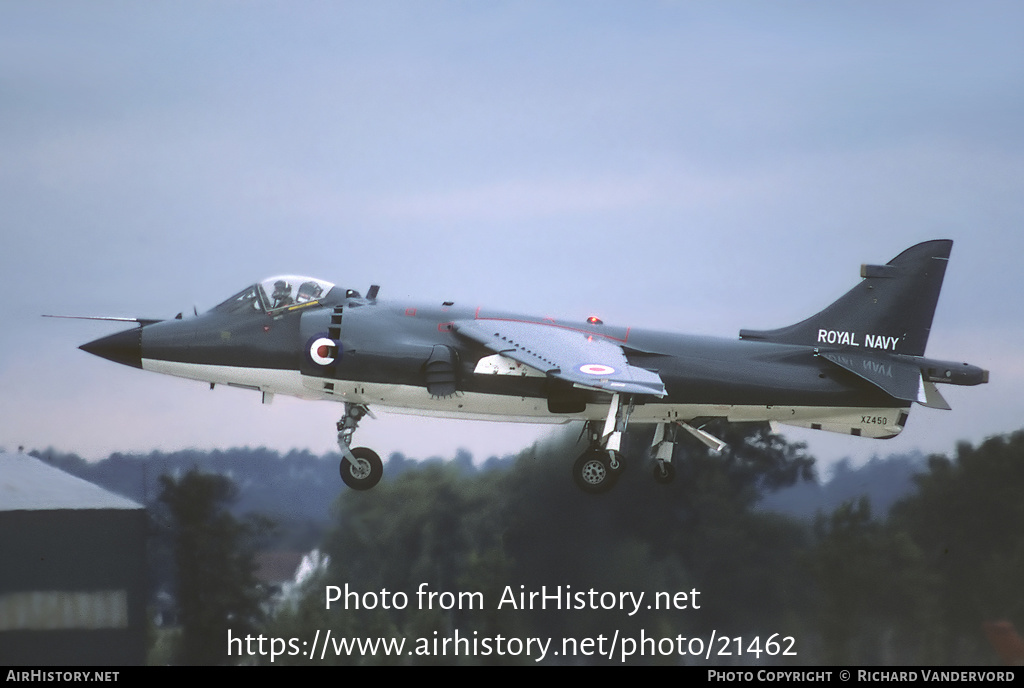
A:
(662, 446)
(598, 469)
(361, 468)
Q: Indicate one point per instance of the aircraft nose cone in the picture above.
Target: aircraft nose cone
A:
(123, 347)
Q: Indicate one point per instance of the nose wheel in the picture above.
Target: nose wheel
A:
(361, 468)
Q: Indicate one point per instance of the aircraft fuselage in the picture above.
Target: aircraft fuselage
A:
(384, 347)
(855, 367)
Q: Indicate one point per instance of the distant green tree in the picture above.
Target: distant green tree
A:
(217, 588)
(700, 531)
(875, 594)
(459, 531)
(968, 519)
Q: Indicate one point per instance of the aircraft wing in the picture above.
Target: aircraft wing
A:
(584, 359)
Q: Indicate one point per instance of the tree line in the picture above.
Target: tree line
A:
(853, 585)
(850, 587)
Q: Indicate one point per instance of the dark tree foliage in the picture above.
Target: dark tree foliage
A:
(968, 519)
(216, 585)
(918, 588)
(875, 593)
(915, 587)
(851, 586)
(756, 460)
(528, 527)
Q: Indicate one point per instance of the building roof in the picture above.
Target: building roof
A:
(29, 484)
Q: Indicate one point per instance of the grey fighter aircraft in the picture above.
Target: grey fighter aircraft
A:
(856, 367)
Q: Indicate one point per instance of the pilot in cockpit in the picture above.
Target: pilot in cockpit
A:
(282, 295)
(309, 291)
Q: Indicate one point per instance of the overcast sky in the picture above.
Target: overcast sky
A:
(688, 166)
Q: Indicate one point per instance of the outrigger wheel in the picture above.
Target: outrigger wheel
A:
(365, 472)
(664, 472)
(593, 473)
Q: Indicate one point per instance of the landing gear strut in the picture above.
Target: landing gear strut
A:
(361, 468)
(598, 469)
(661, 447)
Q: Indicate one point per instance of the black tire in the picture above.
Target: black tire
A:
(664, 472)
(365, 473)
(592, 474)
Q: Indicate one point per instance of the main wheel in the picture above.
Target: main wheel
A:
(664, 472)
(592, 473)
(365, 472)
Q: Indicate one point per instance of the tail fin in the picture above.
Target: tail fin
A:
(890, 310)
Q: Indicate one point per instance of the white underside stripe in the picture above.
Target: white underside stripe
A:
(414, 400)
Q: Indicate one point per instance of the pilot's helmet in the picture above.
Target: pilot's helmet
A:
(282, 288)
(309, 291)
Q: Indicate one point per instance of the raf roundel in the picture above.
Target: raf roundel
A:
(321, 351)
(596, 369)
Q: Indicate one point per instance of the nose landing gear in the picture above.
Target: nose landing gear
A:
(361, 468)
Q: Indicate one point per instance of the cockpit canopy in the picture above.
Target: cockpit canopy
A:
(276, 293)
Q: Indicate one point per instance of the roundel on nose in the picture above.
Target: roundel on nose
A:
(321, 350)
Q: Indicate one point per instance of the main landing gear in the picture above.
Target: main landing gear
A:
(361, 468)
(599, 467)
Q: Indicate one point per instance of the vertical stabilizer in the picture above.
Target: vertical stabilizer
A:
(890, 310)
